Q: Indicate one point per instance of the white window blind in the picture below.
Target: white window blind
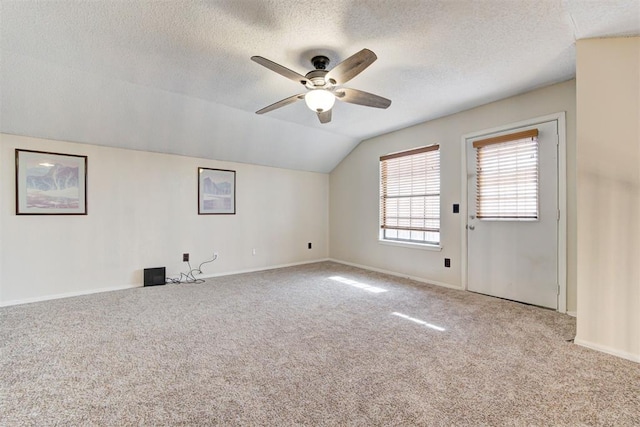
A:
(410, 196)
(507, 176)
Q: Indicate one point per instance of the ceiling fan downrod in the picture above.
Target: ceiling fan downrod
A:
(320, 62)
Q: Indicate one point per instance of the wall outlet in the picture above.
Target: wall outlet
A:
(309, 245)
(447, 262)
(185, 257)
(456, 208)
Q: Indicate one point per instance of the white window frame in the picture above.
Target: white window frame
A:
(418, 244)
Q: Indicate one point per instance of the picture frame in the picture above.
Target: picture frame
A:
(216, 191)
(50, 183)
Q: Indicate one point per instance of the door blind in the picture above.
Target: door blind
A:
(507, 176)
(410, 195)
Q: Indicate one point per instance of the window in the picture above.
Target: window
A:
(507, 177)
(410, 196)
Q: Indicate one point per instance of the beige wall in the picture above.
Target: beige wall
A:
(608, 167)
(143, 213)
(354, 189)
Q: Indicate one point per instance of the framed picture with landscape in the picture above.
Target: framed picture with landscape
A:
(216, 192)
(50, 183)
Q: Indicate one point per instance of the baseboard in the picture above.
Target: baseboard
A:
(572, 313)
(253, 270)
(395, 273)
(608, 350)
(65, 295)
(119, 288)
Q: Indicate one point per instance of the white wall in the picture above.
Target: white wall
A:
(142, 212)
(354, 193)
(608, 167)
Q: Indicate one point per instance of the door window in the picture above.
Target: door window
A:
(507, 177)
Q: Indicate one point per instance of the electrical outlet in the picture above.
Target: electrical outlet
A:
(456, 208)
(309, 245)
(447, 262)
(185, 257)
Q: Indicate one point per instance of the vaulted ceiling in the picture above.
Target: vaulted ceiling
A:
(176, 76)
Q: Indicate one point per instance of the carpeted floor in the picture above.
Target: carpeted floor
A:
(319, 344)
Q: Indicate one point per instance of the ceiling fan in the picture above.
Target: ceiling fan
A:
(324, 86)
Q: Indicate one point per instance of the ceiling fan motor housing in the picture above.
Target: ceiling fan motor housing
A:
(316, 78)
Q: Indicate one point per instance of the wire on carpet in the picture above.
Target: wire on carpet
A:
(190, 277)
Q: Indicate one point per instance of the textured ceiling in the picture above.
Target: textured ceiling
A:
(176, 76)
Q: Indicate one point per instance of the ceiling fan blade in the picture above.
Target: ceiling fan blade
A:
(360, 97)
(325, 116)
(281, 103)
(283, 71)
(350, 67)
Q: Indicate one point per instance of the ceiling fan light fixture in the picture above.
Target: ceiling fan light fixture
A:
(319, 100)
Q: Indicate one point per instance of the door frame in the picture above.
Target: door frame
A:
(560, 117)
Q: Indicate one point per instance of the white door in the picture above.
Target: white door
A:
(514, 258)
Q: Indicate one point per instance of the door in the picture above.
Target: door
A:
(514, 255)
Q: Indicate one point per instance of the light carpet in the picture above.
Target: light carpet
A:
(319, 344)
